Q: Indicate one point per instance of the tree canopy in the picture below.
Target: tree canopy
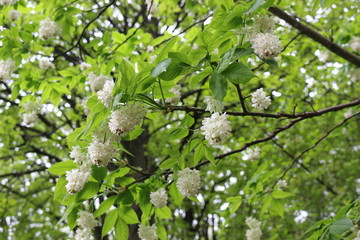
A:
(179, 119)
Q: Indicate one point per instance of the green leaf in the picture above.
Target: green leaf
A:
(160, 67)
(90, 189)
(277, 207)
(121, 230)
(178, 133)
(255, 6)
(61, 168)
(187, 121)
(161, 231)
(318, 225)
(164, 51)
(168, 163)
(199, 153)
(340, 226)
(109, 222)
(175, 194)
(163, 213)
(209, 155)
(99, 173)
(104, 206)
(218, 86)
(278, 194)
(128, 215)
(225, 61)
(238, 72)
(72, 217)
(195, 79)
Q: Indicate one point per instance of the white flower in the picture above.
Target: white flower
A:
(86, 220)
(97, 82)
(30, 118)
(282, 184)
(259, 100)
(32, 107)
(83, 234)
(355, 44)
(176, 99)
(14, 15)
(100, 153)
(150, 49)
(126, 118)
(147, 232)
(252, 222)
(159, 198)
(76, 178)
(78, 155)
(266, 45)
(213, 105)
(105, 95)
(188, 182)
(216, 128)
(6, 67)
(263, 24)
(84, 66)
(251, 154)
(7, 2)
(254, 233)
(324, 56)
(49, 29)
(46, 64)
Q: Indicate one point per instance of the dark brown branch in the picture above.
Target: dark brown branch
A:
(333, 47)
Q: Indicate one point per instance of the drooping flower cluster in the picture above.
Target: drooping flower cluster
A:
(7, 2)
(282, 184)
(97, 82)
(84, 66)
(213, 105)
(259, 100)
(263, 24)
(188, 182)
(251, 154)
(46, 64)
(6, 67)
(79, 156)
(176, 99)
(77, 178)
(126, 118)
(355, 44)
(216, 128)
(14, 15)
(147, 232)
(159, 198)
(31, 112)
(101, 151)
(49, 29)
(86, 223)
(105, 95)
(266, 45)
(254, 232)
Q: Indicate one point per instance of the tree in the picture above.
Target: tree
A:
(179, 119)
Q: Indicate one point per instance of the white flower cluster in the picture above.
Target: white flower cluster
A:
(216, 128)
(176, 99)
(188, 182)
(147, 232)
(105, 95)
(46, 64)
(86, 223)
(7, 2)
(77, 178)
(282, 184)
(213, 105)
(6, 67)
(259, 100)
(266, 45)
(84, 66)
(97, 82)
(49, 29)
(126, 118)
(355, 44)
(101, 152)
(79, 156)
(31, 112)
(251, 154)
(14, 15)
(254, 233)
(159, 198)
(263, 24)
